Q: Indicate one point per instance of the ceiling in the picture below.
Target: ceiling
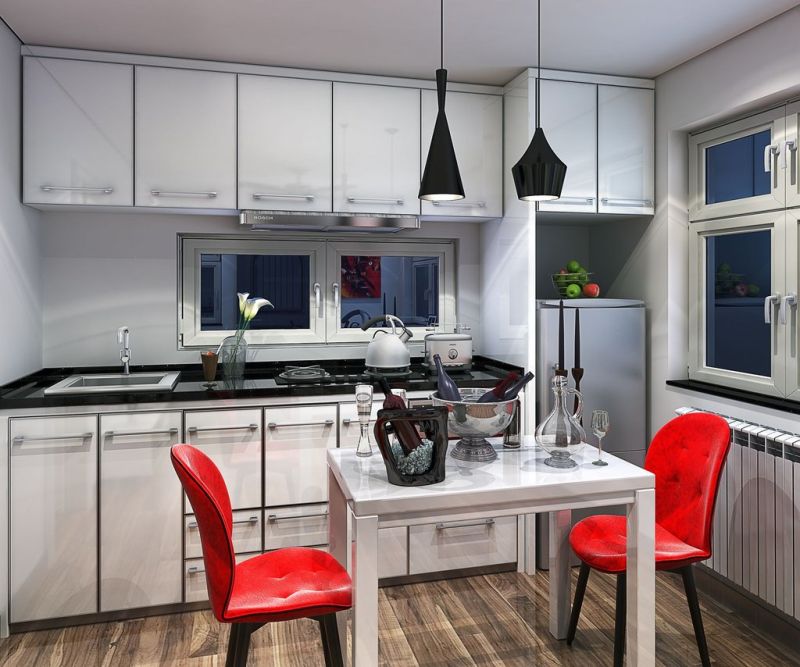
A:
(486, 41)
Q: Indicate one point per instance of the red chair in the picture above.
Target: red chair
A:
(276, 586)
(686, 456)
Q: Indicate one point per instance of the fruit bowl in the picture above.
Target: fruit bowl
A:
(563, 280)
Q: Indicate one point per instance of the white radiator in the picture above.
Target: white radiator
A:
(757, 518)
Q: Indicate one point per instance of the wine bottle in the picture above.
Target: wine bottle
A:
(514, 389)
(447, 388)
(407, 435)
(498, 392)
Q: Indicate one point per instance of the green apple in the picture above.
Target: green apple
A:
(573, 291)
(583, 277)
(573, 266)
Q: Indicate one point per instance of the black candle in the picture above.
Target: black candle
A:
(561, 335)
(577, 338)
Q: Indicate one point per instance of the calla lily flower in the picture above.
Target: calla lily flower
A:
(253, 306)
(242, 301)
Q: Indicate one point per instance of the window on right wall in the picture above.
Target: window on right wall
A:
(744, 253)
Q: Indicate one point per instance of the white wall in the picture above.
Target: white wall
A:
(103, 270)
(20, 265)
(752, 71)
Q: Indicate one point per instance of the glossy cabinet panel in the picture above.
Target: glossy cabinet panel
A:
(194, 577)
(476, 127)
(350, 427)
(284, 137)
(246, 533)
(77, 132)
(140, 511)
(185, 138)
(296, 526)
(53, 517)
(392, 552)
(376, 148)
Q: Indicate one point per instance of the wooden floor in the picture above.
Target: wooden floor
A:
(499, 619)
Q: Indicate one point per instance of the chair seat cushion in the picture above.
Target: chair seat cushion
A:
(601, 542)
(286, 584)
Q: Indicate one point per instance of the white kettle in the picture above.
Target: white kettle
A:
(387, 353)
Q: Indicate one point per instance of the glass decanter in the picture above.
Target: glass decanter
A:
(561, 434)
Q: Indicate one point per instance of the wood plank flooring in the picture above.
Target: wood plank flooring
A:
(499, 619)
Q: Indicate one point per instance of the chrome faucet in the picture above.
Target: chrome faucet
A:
(124, 339)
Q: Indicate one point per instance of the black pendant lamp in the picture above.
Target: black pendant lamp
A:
(441, 180)
(539, 174)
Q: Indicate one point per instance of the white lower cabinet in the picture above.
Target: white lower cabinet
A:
(53, 517)
(246, 533)
(454, 545)
(194, 578)
(392, 552)
(140, 511)
(232, 439)
(295, 442)
(297, 526)
(350, 427)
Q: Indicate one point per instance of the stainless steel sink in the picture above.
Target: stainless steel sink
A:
(117, 383)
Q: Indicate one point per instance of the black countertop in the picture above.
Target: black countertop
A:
(259, 382)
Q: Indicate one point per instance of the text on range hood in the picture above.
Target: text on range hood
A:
(302, 221)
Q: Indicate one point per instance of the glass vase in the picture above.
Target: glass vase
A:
(233, 357)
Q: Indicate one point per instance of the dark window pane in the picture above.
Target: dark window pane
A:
(735, 169)
(738, 278)
(407, 287)
(283, 279)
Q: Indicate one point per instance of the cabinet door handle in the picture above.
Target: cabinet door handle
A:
(66, 188)
(335, 288)
(576, 201)
(789, 300)
(274, 518)
(632, 203)
(19, 439)
(274, 425)
(166, 193)
(769, 302)
(769, 151)
(469, 524)
(251, 520)
(123, 434)
(208, 429)
(270, 195)
(194, 569)
(461, 204)
(347, 421)
(392, 201)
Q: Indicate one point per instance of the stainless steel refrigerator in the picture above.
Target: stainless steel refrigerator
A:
(613, 358)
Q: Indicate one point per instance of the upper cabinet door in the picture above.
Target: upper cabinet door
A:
(737, 168)
(625, 150)
(476, 125)
(285, 144)
(185, 138)
(78, 132)
(569, 119)
(376, 156)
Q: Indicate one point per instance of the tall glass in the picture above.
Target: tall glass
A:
(364, 409)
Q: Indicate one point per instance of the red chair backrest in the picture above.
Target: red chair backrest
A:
(208, 495)
(687, 456)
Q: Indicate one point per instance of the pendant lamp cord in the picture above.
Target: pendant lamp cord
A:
(441, 35)
(538, 55)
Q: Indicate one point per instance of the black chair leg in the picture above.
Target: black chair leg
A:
(239, 643)
(329, 632)
(694, 610)
(580, 591)
(619, 623)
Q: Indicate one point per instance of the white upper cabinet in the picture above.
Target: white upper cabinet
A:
(476, 126)
(376, 148)
(284, 141)
(569, 118)
(77, 132)
(625, 149)
(185, 138)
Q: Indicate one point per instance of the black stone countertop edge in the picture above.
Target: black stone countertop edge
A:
(750, 397)
(17, 394)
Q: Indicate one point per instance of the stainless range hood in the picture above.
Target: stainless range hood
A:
(318, 222)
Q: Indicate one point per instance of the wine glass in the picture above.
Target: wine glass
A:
(600, 428)
(364, 409)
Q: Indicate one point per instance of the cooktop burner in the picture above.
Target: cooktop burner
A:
(304, 374)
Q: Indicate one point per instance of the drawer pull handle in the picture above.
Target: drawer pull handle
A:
(274, 425)
(482, 522)
(376, 200)
(207, 429)
(274, 518)
(269, 195)
(577, 201)
(164, 193)
(608, 201)
(251, 520)
(120, 434)
(347, 421)
(19, 439)
(65, 188)
(194, 570)
(461, 204)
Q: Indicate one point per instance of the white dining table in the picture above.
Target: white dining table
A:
(518, 482)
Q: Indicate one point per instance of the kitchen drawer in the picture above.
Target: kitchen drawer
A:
(194, 578)
(392, 552)
(350, 427)
(232, 439)
(296, 440)
(454, 545)
(246, 533)
(297, 526)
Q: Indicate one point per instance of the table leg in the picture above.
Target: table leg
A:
(560, 582)
(339, 541)
(641, 584)
(365, 592)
